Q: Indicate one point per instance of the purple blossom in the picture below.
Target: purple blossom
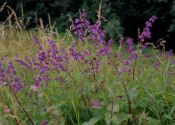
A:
(44, 69)
(84, 29)
(10, 69)
(169, 53)
(110, 42)
(44, 122)
(146, 33)
(80, 26)
(96, 33)
(103, 51)
(130, 43)
(9, 77)
(115, 54)
(22, 63)
(94, 65)
(132, 53)
(36, 41)
(36, 83)
(16, 85)
(125, 69)
(46, 61)
(74, 54)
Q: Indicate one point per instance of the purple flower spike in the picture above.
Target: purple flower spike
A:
(146, 33)
(83, 29)
(80, 26)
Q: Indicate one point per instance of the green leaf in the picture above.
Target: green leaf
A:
(170, 98)
(92, 121)
(116, 119)
(153, 122)
(114, 107)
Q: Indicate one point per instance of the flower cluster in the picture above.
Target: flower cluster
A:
(8, 77)
(84, 29)
(96, 33)
(146, 33)
(131, 51)
(81, 25)
(75, 55)
(46, 61)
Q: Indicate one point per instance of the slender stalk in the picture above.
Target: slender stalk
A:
(129, 102)
(37, 104)
(94, 75)
(112, 108)
(125, 88)
(113, 63)
(20, 104)
(133, 70)
(86, 105)
(16, 118)
(83, 98)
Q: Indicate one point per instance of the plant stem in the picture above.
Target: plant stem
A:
(94, 75)
(20, 104)
(129, 102)
(126, 91)
(16, 118)
(112, 108)
(85, 103)
(113, 63)
(134, 66)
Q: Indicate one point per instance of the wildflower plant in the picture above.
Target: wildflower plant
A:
(89, 81)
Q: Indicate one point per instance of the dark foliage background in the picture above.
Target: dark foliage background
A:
(124, 16)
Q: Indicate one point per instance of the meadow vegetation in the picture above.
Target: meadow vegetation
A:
(83, 78)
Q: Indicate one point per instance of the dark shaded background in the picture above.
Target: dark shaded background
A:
(124, 16)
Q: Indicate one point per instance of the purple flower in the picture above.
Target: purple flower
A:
(22, 63)
(110, 42)
(44, 122)
(36, 41)
(36, 83)
(10, 69)
(132, 53)
(9, 77)
(94, 65)
(96, 33)
(115, 54)
(146, 33)
(80, 26)
(103, 51)
(16, 85)
(169, 53)
(74, 54)
(84, 29)
(44, 69)
(130, 43)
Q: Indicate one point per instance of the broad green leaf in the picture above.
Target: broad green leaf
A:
(92, 121)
